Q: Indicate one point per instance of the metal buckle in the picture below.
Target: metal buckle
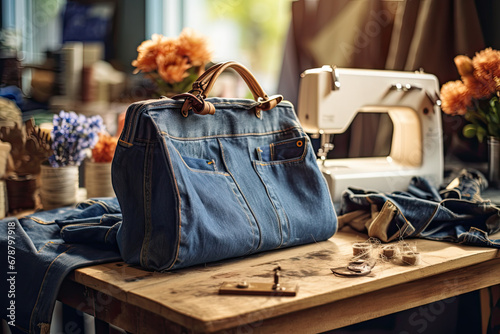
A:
(357, 267)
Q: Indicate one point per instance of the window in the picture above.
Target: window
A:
(250, 32)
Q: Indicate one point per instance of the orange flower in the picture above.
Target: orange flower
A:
(148, 51)
(477, 89)
(172, 69)
(104, 150)
(194, 46)
(487, 69)
(464, 66)
(455, 98)
(172, 57)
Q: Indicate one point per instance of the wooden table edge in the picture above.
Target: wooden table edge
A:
(211, 325)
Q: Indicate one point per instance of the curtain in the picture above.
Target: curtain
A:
(379, 34)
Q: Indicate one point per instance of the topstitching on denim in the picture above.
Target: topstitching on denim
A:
(243, 196)
(179, 205)
(43, 258)
(148, 179)
(228, 135)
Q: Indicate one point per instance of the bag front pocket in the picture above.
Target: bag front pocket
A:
(298, 192)
(200, 164)
(282, 150)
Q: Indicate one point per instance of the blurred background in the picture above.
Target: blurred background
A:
(77, 55)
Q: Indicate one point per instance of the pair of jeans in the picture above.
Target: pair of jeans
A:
(457, 213)
(39, 250)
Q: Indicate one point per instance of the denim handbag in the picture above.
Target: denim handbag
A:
(204, 179)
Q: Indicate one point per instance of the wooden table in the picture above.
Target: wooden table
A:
(188, 301)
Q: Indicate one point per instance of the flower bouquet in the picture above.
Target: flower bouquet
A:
(173, 63)
(476, 96)
(72, 137)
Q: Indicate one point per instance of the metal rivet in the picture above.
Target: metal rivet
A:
(242, 285)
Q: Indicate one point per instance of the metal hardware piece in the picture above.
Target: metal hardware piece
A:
(259, 289)
(276, 285)
(434, 98)
(242, 285)
(359, 267)
(276, 288)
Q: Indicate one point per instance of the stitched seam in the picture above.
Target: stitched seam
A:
(232, 134)
(244, 211)
(200, 170)
(125, 143)
(129, 126)
(93, 201)
(82, 224)
(179, 204)
(272, 203)
(43, 280)
(281, 162)
(39, 221)
(49, 243)
(147, 204)
(109, 231)
(242, 194)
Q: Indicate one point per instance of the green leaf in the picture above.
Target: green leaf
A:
(494, 118)
(495, 105)
(494, 102)
(480, 133)
(470, 130)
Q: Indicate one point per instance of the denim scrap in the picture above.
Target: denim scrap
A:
(48, 245)
(456, 213)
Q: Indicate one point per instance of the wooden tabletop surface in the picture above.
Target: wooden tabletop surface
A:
(189, 297)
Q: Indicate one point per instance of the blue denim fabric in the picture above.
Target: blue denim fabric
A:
(209, 187)
(47, 246)
(455, 214)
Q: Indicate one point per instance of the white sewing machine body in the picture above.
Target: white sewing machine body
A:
(329, 100)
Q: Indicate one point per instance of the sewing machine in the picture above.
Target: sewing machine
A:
(329, 100)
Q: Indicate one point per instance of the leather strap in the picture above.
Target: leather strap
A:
(194, 99)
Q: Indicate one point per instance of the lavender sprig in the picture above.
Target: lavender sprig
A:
(72, 134)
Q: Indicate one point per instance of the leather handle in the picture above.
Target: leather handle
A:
(206, 81)
(204, 84)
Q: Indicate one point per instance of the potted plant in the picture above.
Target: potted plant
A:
(72, 137)
(476, 98)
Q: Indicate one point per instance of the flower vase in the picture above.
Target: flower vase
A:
(98, 179)
(58, 186)
(494, 162)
